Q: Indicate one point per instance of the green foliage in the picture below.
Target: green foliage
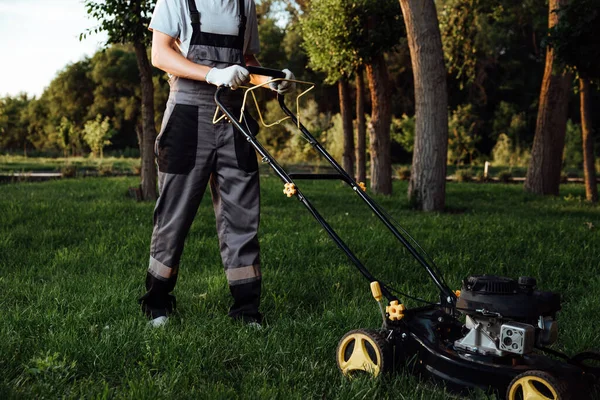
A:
(573, 154)
(342, 35)
(96, 134)
(117, 93)
(13, 126)
(69, 138)
(124, 21)
(319, 125)
(575, 37)
(505, 176)
(505, 153)
(477, 35)
(105, 169)
(463, 135)
(272, 53)
(403, 173)
(463, 175)
(68, 171)
(509, 121)
(402, 131)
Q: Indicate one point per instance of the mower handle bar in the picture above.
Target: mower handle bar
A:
(448, 298)
(273, 73)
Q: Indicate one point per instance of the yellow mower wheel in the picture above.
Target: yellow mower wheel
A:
(363, 350)
(537, 385)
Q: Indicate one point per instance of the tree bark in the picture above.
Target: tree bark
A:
(589, 160)
(148, 168)
(543, 173)
(361, 133)
(348, 155)
(427, 187)
(379, 129)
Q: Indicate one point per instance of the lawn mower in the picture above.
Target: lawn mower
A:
(491, 334)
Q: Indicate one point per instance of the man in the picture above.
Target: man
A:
(203, 44)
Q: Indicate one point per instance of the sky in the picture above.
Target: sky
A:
(38, 38)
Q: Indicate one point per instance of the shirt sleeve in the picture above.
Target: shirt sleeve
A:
(252, 44)
(166, 18)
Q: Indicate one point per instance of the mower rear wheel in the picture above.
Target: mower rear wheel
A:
(364, 350)
(537, 385)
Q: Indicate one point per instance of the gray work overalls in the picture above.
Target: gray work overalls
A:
(192, 152)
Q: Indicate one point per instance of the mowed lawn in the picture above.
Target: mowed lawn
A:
(73, 255)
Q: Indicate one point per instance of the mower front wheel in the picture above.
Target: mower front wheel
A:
(538, 385)
(364, 350)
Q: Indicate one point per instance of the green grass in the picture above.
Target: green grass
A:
(13, 163)
(73, 255)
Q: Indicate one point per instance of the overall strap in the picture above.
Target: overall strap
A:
(194, 14)
(243, 19)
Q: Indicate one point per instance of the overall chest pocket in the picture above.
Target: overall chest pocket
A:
(177, 143)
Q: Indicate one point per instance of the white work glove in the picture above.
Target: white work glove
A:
(283, 87)
(233, 76)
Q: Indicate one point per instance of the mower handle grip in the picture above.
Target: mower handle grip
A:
(273, 73)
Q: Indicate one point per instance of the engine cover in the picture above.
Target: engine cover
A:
(505, 298)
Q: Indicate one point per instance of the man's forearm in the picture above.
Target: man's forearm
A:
(172, 62)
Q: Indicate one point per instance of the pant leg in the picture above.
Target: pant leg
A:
(185, 157)
(236, 200)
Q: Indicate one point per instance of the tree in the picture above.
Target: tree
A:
(66, 136)
(328, 41)
(126, 22)
(13, 126)
(361, 133)
(342, 36)
(70, 94)
(116, 79)
(493, 56)
(96, 134)
(574, 40)
(427, 187)
(543, 172)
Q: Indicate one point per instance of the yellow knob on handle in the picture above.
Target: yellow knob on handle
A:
(376, 290)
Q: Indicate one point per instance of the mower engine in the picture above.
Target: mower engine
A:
(505, 316)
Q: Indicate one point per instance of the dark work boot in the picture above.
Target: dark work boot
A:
(157, 303)
(246, 300)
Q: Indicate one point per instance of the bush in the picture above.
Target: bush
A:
(68, 171)
(480, 177)
(136, 169)
(403, 132)
(564, 178)
(105, 170)
(403, 173)
(463, 175)
(505, 176)
(505, 153)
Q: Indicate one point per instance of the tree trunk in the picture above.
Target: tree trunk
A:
(139, 132)
(148, 169)
(348, 156)
(427, 187)
(361, 165)
(543, 173)
(589, 160)
(379, 130)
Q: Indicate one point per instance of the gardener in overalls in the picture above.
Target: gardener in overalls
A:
(203, 44)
